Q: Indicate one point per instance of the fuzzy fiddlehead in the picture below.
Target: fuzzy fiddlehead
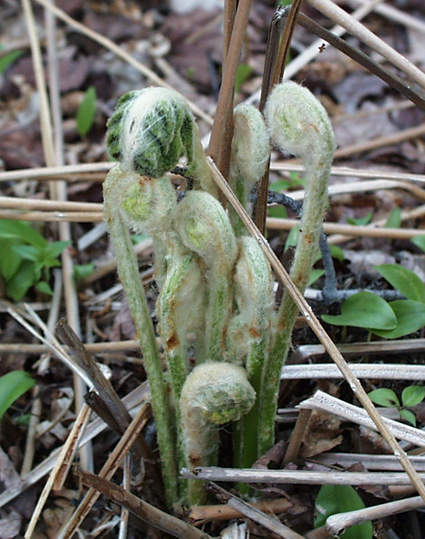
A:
(116, 183)
(214, 393)
(151, 129)
(180, 310)
(249, 335)
(146, 206)
(205, 229)
(249, 156)
(298, 124)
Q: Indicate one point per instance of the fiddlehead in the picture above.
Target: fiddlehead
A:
(249, 335)
(298, 124)
(214, 393)
(151, 129)
(249, 156)
(129, 274)
(204, 228)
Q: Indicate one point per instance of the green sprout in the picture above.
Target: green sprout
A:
(29, 259)
(410, 396)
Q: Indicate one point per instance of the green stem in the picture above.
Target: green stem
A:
(249, 337)
(129, 274)
(180, 309)
(298, 124)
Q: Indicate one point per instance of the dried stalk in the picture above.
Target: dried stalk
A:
(298, 477)
(108, 470)
(203, 513)
(349, 230)
(254, 513)
(141, 509)
(91, 170)
(358, 348)
(65, 457)
(361, 370)
(335, 524)
(222, 129)
(370, 462)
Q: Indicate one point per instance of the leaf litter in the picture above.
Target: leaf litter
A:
(361, 105)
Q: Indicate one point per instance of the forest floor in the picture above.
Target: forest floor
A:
(377, 183)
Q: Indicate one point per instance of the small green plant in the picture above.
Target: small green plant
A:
(243, 73)
(334, 499)
(394, 218)
(86, 112)
(9, 59)
(81, 271)
(419, 241)
(389, 320)
(29, 258)
(410, 396)
(12, 386)
(360, 221)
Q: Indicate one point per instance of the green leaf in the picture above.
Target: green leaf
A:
(277, 211)
(27, 252)
(408, 416)
(292, 238)
(364, 310)
(394, 219)
(12, 386)
(419, 241)
(243, 73)
(337, 253)
(55, 248)
(86, 112)
(81, 271)
(360, 221)
(412, 395)
(22, 420)
(410, 317)
(296, 180)
(404, 280)
(8, 59)
(315, 275)
(283, 2)
(18, 285)
(333, 499)
(137, 238)
(384, 397)
(21, 230)
(279, 185)
(44, 288)
(9, 264)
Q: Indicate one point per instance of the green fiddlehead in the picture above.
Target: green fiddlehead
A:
(113, 188)
(204, 228)
(298, 124)
(249, 336)
(214, 393)
(151, 129)
(249, 157)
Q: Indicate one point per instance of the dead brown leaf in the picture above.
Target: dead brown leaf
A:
(322, 434)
